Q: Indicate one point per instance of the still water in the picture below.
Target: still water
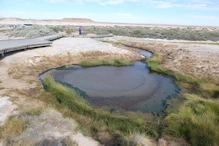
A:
(131, 88)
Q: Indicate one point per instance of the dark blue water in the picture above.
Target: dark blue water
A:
(131, 88)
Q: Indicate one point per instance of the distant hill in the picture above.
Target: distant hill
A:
(12, 19)
(37, 20)
(76, 20)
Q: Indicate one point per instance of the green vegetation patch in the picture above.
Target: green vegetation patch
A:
(113, 62)
(196, 121)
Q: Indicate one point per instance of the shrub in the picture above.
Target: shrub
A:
(31, 32)
(68, 30)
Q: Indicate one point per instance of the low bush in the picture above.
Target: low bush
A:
(150, 32)
(31, 32)
(68, 30)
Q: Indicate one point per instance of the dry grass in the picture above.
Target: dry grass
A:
(37, 120)
(68, 30)
(204, 43)
(35, 111)
(13, 127)
(30, 81)
(18, 71)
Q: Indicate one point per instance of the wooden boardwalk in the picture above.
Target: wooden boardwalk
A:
(23, 44)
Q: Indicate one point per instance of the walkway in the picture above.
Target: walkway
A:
(23, 44)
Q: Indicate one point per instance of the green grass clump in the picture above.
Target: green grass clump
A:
(113, 62)
(64, 97)
(196, 121)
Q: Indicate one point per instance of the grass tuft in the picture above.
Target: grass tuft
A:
(196, 121)
(12, 127)
(35, 111)
(114, 62)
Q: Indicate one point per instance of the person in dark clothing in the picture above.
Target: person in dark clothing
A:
(80, 30)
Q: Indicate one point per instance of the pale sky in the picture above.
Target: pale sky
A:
(182, 12)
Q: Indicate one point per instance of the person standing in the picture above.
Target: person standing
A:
(80, 30)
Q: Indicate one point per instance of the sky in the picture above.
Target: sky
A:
(181, 12)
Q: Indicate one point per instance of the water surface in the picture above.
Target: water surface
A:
(131, 87)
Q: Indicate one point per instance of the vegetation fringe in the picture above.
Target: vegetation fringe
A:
(114, 62)
(197, 118)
